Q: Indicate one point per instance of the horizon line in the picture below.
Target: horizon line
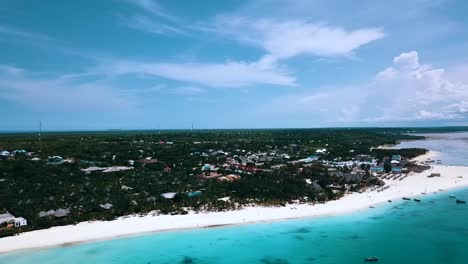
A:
(204, 129)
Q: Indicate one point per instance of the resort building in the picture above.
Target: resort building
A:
(377, 169)
(9, 218)
(396, 158)
(20, 221)
(168, 195)
(229, 178)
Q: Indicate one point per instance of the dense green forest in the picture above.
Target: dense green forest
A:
(28, 187)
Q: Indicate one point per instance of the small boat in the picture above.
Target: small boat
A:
(389, 201)
(406, 198)
(461, 202)
(452, 196)
(417, 200)
(371, 259)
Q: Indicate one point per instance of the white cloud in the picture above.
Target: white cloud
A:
(145, 23)
(11, 70)
(407, 61)
(152, 7)
(188, 90)
(7, 30)
(59, 94)
(284, 39)
(230, 74)
(151, 17)
(406, 91)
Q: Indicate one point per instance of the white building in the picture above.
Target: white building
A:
(169, 195)
(20, 221)
(6, 218)
(9, 218)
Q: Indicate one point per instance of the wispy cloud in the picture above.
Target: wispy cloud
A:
(60, 94)
(10, 70)
(189, 90)
(32, 36)
(284, 39)
(153, 18)
(229, 74)
(150, 25)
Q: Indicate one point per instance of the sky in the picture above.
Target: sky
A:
(155, 64)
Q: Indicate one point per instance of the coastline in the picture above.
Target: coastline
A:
(414, 185)
(430, 155)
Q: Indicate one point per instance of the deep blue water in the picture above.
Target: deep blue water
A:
(433, 231)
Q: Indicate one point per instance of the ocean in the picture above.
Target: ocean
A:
(432, 231)
(452, 148)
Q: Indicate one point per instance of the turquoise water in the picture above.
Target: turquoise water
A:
(433, 231)
(452, 147)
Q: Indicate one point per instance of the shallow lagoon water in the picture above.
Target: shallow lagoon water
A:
(452, 148)
(433, 231)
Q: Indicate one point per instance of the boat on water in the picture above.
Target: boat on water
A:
(452, 196)
(461, 202)
(371, 259)
(417, 200)
(406, 198)
(389, 201)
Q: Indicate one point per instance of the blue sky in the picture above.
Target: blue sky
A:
(147, 64)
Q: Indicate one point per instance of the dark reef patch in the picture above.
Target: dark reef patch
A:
(270, 260)
(188, 260)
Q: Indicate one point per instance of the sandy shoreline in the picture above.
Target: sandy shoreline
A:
(413, 185)
(430, 155)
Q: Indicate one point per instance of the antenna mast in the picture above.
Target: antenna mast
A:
(40, 132)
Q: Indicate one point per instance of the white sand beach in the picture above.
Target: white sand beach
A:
(430, 155)
(413, 185)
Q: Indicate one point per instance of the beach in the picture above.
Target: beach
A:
(430, 155)
(416, 184)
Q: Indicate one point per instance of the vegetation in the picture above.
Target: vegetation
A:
(408, 153)
(29, 187)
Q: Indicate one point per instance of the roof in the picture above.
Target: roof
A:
(195, 193)
(59, 213)
(106, 206)
(94, 168)
(224, 199)
(6, 217)
(117, 168)
(168, 195)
